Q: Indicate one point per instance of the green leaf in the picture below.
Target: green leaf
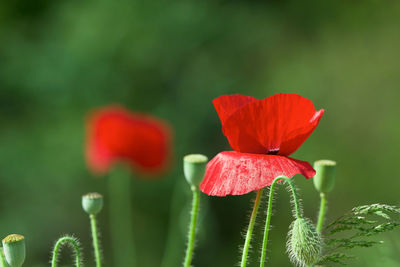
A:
(338, 258)
(355, 227)
(382, 214)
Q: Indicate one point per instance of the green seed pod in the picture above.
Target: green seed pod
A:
(92, 203)
(194, 168)
(324, 180)
(304, 244)
(14, 250)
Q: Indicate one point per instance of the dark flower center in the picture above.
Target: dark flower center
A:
(273, 151)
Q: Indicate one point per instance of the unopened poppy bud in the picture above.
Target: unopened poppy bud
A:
(14, 250)
(92, 203)
(304, 244)
(194, 167)
(324, 180)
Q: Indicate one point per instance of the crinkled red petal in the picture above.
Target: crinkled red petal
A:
(116, 134)
(278, 124)
(226, 105)
(234, 173)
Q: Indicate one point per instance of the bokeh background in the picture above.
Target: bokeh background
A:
(60, 59)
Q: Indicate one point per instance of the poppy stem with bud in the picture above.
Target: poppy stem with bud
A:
(250, 228)
(298, 212)
(194, 167)
(324, 182)
(92, 203)
(73, 243)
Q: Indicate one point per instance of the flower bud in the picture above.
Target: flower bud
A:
(14, 250)
(92, 203)
(324, 180)
(304, 244)
(194, 168)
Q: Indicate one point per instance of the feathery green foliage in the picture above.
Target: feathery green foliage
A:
(358, 224)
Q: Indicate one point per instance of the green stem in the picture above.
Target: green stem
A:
(322, 212)
(250, 229)
(175, 242)
(95, 237)
(74, 244)
(122, 242)
(269, 213)
(192, 229)
(2, 258)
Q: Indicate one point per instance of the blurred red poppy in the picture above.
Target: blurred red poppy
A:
(262, 133)
(114, 134)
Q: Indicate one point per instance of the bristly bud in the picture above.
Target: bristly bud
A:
(92, 203)
(14, 250)
(194, 168)
(324, 180)
(304, 244)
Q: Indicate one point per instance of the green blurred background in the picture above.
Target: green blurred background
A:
(60, 59)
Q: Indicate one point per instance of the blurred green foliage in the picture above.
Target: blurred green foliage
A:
(60, 59)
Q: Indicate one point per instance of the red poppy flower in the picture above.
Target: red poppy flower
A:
(115, 134)
(262, 133)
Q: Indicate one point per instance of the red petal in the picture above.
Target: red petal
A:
(234, 173)
(115, 134)
(226, 105)
(278, 124)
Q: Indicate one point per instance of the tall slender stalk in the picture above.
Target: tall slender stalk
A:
(298, 213)
(121, 219)
(175, 239)
(95, 238)
(192, 228)
(250, 228)
(322, 212)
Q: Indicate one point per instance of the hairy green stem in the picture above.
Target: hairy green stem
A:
(74, 244)
(298, 213)
(250, 229)
(192, 228)
(122, 242)
(322, 212)
(95, 238)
